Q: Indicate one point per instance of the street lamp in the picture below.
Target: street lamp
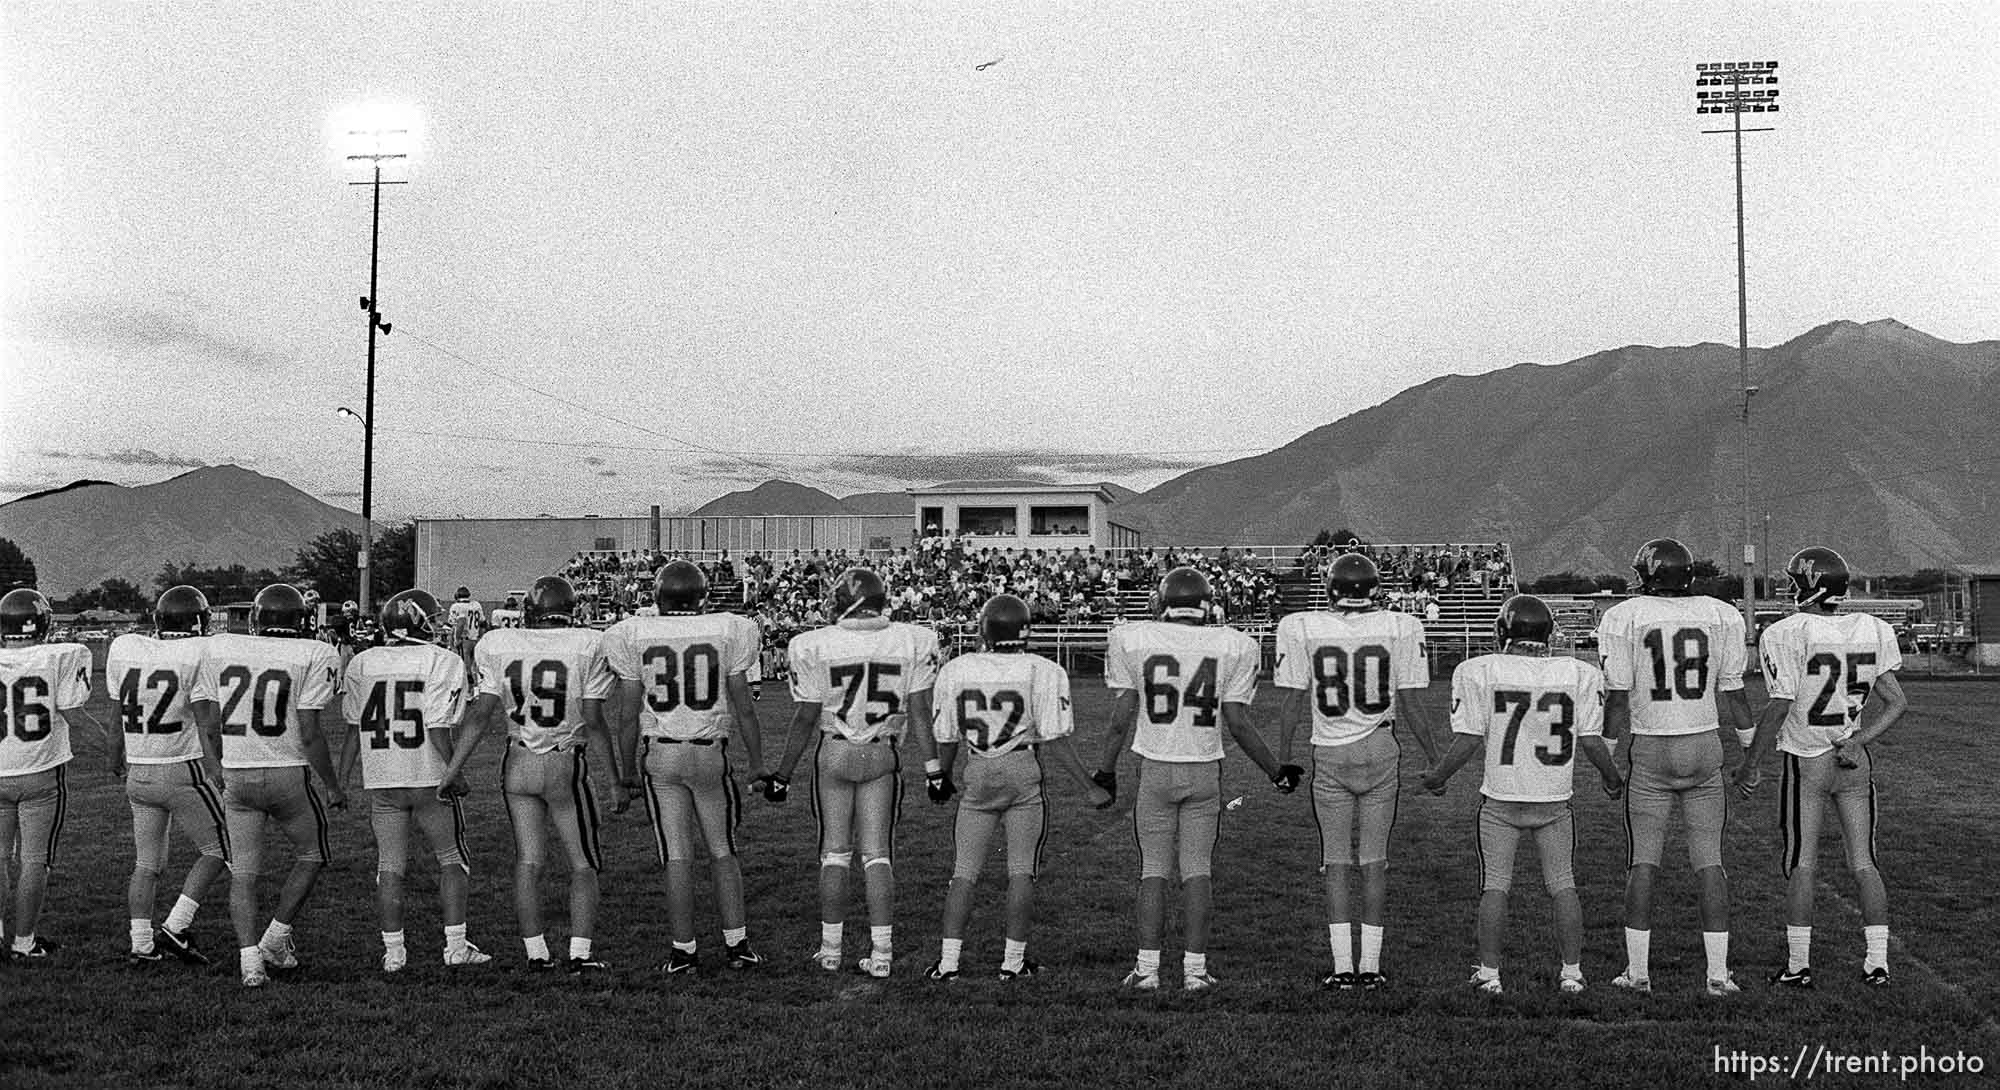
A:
(1737, 88)
(375, 133)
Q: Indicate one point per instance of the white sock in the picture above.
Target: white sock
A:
(275, 934)
(392, 940)
(537, 947)
(688, 947)
(181, 917)
(1572, 971)
(948, 952)
(454, 938)
(1877, 938)
(1149, 962)
(251, 958)
(1194, 964)
(882, 939)
(1015, 956)
(1638, 947)
(1341, 937)
(1716, 943)
(829, 937)
(1371, 948)
(579, 948)
(142, 935)
(735, 936)
(1798, 948)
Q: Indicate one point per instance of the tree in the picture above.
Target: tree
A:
(1562, 582)
(114, 594)
(221, 585)
(16, 570)
(328, 563)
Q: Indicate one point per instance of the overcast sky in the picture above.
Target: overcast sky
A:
(649, 253)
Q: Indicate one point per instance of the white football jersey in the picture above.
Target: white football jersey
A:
(542, 677)
(684, 662)
(150, 679)
(506, 618)
(1673, 655)
(396, 696)
(262, 683)
(1183, 674)
(1825, 664)
(998, 702)
(38, 683)
(861, 673)
(1352, 664)
(1531, 710)
(465, 618)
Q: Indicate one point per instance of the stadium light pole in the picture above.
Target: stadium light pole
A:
(1737, 88)
(372, 138)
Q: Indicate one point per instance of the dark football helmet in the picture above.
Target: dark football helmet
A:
(181, 611)
(681, 587)
(463, 594)
(280, 610)
(1819, 576)
(411, 616)
(1524, 619)
(551, 603)
(25, 616)
(858, 592)
(1184, 596)
(1665, 567)
(1003, 623)
(1351, 582)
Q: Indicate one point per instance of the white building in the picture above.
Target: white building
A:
(1030, 514)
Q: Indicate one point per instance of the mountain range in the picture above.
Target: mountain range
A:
(1874, 438)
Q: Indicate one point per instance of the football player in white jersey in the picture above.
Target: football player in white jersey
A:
(1011, 709)
(169, 780)
(1346, 665)
(509, 615)
(258, 699)
(549, 681)
(858, 684)
(684, 692)
(39, 681)
(468, 621)
(1531, 713)
(1824, 670)
(1670, 658)
(405, 699)
(1181, 683)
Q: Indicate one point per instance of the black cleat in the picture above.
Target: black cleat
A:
(1028, 968)
(1339, 982)
(937, 971)
(1798, 978)
(179, 946)
(741, 956)
(680, 962)
(540, 965)
(42, 949)
(590, 966)
(1877, 977)
(151, 957)
(1371, 982)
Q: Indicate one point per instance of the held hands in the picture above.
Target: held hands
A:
(939, 787)
(337, 798)
(628, 789)
(1746, 778)
(1614, 786)
(773, 787)
(1106, 782)
(1287, 778)
(1100, 799)
(1433, 781)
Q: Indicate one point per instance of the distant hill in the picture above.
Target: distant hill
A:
(879, 503)
(787, 498)
(1876, 439)
(85, 533)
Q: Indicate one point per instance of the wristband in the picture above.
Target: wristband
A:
(933, 766)
(1746, 736)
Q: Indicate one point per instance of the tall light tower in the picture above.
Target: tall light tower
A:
(1736, 88)
(372, 138)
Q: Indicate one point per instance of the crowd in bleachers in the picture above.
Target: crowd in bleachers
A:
(1413, 570)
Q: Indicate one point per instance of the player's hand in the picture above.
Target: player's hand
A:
(1841, 758)
(627, 791)
(1108, 783)
(1432, 782)
(338, 799)
(1288, 778)
(773, 787)
(1100, 799)
(117, 768)
(1614, 787)
(939, 787)
(1746, 778)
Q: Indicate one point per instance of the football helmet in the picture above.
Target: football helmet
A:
(1524, 619)
(280, 610)
(551, 603)
(25, 616)
(1003, 623)
(1351, 582)
(1184, 596)
(681, 587)
(1819, 576)
(411, 616)
(858, 592)
(462, 594)
(1665, 567)
(181, 611)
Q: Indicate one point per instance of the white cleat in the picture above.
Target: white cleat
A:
(471, 955)
(828, 960)
(1570, 985)
(1198, 982)
(285, 955)
(394, 959)
(875, 965)
(1144, 982)
(1641, 984)
(255, 978)
(1485, 985)
(1727, 986)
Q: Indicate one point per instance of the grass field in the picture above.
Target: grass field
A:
(86, 1019)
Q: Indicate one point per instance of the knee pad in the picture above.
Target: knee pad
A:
(215, 851)
(868, 861)
(1199, 870)
(1153, 871)
(312, 856)
(1492, 884)
(1381, 860)
(1560, 883)
(395, 868)
(1860, 868)
(151, 871)
(452, 857)
(842, 860)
